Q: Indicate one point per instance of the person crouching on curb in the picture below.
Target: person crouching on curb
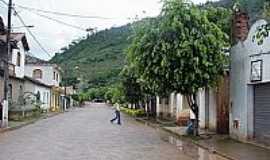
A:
(117, 114)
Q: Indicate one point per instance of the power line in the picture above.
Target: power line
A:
(61, 13)
(31, 34)
(4, 2)
(60, 22)
(2, 6)
(29, 31)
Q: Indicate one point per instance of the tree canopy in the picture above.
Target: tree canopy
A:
(183, 53)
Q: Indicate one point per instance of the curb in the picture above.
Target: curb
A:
(28, 123)
(148, 123)
(187, 139)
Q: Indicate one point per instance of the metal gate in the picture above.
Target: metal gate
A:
(262, 112)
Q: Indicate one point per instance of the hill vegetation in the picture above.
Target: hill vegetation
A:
(95, 60)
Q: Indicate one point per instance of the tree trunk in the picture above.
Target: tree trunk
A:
(147, 107)
(195, 109)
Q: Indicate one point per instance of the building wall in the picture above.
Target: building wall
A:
(19, 70)
(212, 110)
(241, 89)
(1, 88)
(55, 100)
(45, 93)
(47, 72)
(17, 88)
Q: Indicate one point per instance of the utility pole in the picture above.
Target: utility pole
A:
(6, 68)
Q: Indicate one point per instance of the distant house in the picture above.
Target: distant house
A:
(41, 91)
(213, 107)
(49, 74)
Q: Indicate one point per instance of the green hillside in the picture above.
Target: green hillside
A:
(99, 57)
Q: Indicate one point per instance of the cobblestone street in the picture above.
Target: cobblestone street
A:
(87, 134)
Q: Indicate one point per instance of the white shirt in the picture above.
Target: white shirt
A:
(117, 107)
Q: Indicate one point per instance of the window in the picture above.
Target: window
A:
(10, 92)
(57, 77)
(21, 90)
(48, 98)
(256, 70)
(38, 96)
(18, 61)
(37, 74)
(54, 75)
(44, 98)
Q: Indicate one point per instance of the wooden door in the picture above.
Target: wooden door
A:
(223, 102)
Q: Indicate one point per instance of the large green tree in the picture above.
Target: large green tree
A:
(182, 53)
(131, 86)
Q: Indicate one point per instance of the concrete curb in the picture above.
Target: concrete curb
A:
(28, 123)
(187, 139)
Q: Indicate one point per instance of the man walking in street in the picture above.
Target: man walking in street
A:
(117, 115)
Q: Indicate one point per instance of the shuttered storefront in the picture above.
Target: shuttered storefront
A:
(262, 112)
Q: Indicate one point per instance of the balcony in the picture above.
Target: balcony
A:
(11, 68)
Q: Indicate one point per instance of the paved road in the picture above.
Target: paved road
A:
(86, 134)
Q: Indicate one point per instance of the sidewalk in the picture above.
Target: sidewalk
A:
(13, 125)
(220, 145)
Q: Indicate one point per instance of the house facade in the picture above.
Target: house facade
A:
(250, 87)
(19, 47)
(41, 90)
(48, 74)
(213, 107)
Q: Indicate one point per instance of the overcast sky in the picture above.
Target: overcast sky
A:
(54, 36)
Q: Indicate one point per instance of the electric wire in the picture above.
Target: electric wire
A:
(28, 30)
(32, 35)
(60, 22)
(4, 2)
(61, 13)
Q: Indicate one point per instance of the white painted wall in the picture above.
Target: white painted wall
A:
(241, 92)
(202, 108)
(45, 93)
(172, 104)
(212, 110)
(47, 72)
(158, 106)
(179, 104)
(19, 70)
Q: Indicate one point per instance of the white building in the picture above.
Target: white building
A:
(213, 108)
(250, 88)
(43, 71)
(48, 74)
(41, 90)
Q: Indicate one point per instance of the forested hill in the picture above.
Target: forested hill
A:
(99, 58)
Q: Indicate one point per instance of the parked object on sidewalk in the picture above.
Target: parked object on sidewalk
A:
(117, 114)
(184, 118)
(190, 128)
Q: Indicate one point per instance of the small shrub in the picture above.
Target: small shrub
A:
(133, 112)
